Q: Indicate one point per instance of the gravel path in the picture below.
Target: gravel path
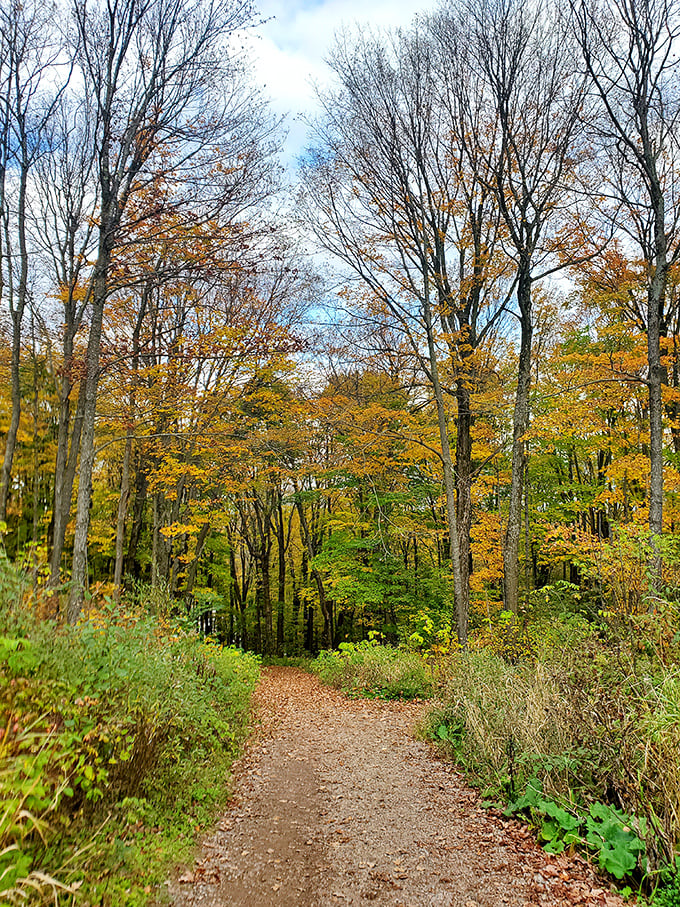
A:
(337, 803)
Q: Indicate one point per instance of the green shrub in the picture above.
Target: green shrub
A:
(375, 671)
(115, 741)
(667, 895)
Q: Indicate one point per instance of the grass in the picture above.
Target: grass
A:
(592, 714)
(116, 739)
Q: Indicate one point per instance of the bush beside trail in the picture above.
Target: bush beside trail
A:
(579, 729)
(116, 737)
(375, 671)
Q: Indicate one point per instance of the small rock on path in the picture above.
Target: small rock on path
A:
(337, 804)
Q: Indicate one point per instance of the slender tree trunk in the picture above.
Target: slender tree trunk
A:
(192, 569)
(12, 431)
(309, 629)
(655, 306)
(264, 583)
(123, 500)
(79, 567)
(280, 611)
(520, 425)
(87, 449)
(460, 599)
(325, 603)
(36, 460)
(64, 475)
(17, 306)
(527, 530)
(295, 616)
(131, 565)
(161, 546)
(464, 486)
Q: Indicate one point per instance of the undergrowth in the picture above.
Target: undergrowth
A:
(116, 737)
(375, 671)
(580, 730)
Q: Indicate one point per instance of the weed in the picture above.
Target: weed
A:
(594, 718)
(124, 724)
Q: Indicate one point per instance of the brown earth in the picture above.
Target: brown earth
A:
(337, 803)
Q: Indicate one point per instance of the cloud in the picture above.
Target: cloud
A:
(289, 49)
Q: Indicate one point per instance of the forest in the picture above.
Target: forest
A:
(423, 391)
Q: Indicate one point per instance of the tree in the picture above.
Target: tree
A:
(394, 196)
(62, 209)
(163, 82)
(535, 93)
(629, 50)
(29, 54)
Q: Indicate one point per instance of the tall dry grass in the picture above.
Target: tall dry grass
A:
(594, 720)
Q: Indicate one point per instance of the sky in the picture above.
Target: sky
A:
(290, 47)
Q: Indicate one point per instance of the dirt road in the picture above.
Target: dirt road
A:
(337, 803)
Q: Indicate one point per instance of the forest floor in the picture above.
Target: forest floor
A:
(336, 802)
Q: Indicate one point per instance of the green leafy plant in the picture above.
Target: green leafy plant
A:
(667, 894)
(610, 832)
(558, 827)
(606, 830)
(375, 671)
(125, 725)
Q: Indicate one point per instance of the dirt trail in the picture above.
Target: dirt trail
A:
(337, 803)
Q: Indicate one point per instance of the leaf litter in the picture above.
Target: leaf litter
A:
(336, 802)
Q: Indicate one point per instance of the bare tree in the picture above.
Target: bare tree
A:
(62, 208)
(535, 91)
(630, 51)
(28, 52)
(392, 194)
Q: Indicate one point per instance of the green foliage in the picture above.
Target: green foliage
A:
(375, 671)
(508, 636)
(667, 895)
(115, 739)
(611, 833)
(558, 827)
(604, 829)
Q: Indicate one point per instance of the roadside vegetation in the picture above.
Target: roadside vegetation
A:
(115, 747)
(375, 671)
(579, 733)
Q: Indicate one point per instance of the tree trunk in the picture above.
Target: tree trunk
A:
(655, 307)
(17, 305)
(131, 565)
(100, 289)
(460, 599)
(161, 546)
(65, 465)
(295, 615)
(264, 578)
(325, 604)
(280, 611)
(520, 425)
(122, 516)
(192, 569)
(11, 439)
(464, 487)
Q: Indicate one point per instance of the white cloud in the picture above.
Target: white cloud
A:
(290, 48)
